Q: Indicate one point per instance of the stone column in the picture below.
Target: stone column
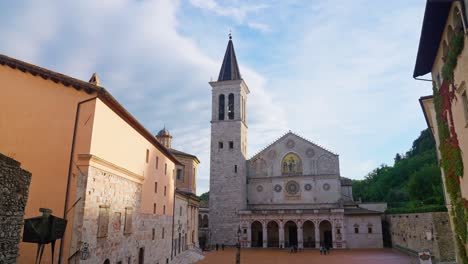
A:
(317, 234)
(249, 235)
(281, 235)
(265, 235)
(333, 233)
(343, 234)
(300, 236)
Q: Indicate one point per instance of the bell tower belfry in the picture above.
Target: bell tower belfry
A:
(228, 172)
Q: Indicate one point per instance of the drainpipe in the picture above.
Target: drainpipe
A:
(70, 166)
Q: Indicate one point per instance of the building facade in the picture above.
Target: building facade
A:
(289, 194)
(92, 163)
(442, 53)
(185, 228)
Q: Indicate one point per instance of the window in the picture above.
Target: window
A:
(147, 155)
(465, 105)
(103, 221)
(165, 190)
(157, 162)
(180, 211)
(155, 187)
(220, 145)
(162, 233)
(338, 231)
(235, 168)
(221, 107)
(231, 144)
(128, 220)
(165, 168)
(164, 209)
(356, 228)
(369, 230)
(154, 208)
(153, 234)
(231, 106)
(179, 174)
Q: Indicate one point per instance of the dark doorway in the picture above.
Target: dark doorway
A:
(257, 234)
(308, 230)
(326, 238)
(290, 230)
(387, 237)
(273, 234)
(141, 256)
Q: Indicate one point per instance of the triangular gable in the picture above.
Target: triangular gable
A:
(277, 141)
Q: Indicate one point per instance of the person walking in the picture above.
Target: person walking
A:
(217, 246)
(222, 246)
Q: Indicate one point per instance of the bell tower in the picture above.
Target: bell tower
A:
(228, 172)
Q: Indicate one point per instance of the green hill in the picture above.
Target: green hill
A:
(414, 181)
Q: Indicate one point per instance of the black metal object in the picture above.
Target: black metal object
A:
(43, 230)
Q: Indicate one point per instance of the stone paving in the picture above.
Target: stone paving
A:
(266, 256)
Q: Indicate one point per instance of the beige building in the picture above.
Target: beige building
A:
(185, 228)
(289, 194)
(94, 164)
(442, 53)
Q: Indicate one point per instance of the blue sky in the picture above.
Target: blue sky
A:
(337, 72)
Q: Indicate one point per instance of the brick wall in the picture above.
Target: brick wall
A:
(13, 197)
(421, 231)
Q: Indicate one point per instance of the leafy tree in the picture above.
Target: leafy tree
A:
(413, 181)
(205, 196)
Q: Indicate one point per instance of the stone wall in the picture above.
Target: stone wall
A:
(101, 222)
(422, 231)
(364, 231)
(13, 197)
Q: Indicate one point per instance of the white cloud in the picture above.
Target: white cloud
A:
(240, 12)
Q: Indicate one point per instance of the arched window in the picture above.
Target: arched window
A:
(107, 261)
(221, 107)
(231, 106)
(457, 20)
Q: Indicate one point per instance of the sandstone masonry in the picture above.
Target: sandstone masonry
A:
(422, 231)
(13, 197)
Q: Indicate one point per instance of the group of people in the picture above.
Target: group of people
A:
(324, 249)
(217, 246)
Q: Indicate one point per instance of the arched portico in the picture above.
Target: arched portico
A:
(273, 234)
(308, 229)
(326, 238)
(257, 234)
(290, 234)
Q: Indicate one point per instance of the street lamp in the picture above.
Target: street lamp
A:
(238, 246)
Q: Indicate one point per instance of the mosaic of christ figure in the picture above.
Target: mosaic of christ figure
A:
(290, 164)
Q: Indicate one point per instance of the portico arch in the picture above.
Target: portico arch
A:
(326, 238)
(308, 230)
(257, 234)
(273, 234)
(290, 234)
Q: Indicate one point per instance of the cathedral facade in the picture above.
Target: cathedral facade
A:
(289, 194)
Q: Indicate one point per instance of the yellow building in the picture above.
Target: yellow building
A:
(92, 163)
(442, 53)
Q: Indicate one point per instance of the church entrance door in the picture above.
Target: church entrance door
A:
(273, 234)
(257, 234)
(308, 230)
(326, 238)
(290, 234)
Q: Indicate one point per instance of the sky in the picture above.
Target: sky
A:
(336, 72)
